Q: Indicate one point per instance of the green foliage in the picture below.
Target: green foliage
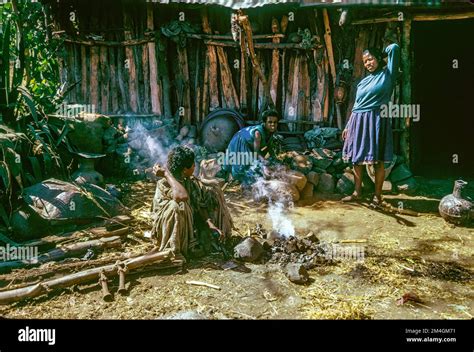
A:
(29, 89)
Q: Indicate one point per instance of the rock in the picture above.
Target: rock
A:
(313, 178)
(407, 186)
(311, 237)
(291, 245)
(249, 250)
(296, 179)
(192, 131)
(302, 163)
(345, 185)
(307, 192)
(179, 138)
(399, 173)
(274, 190)
(326, 183)
(183, 132)
(321, 163)
(387, 186)
(297, 273)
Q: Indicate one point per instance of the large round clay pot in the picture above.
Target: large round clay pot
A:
(454, 208)
(218, 129)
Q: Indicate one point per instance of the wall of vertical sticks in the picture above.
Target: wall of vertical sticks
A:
(117, 58)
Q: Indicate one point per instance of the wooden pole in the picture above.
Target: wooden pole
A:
(94, 79)
(212, 55)
(183, 70)
(84, 76)
(418, 17)
(245, 25)
(155, 87)
(359, 71)
(406, 87)
(275, 71)
(243, 72)
(205, 89)
(130, 66)
(229, 94)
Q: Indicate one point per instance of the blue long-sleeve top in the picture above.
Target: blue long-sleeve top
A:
(376, 88)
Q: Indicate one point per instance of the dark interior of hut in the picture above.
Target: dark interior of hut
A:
(444, 133)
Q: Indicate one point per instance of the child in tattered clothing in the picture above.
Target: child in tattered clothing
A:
(183, 207)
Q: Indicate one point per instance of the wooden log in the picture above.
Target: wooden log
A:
(70, 72)
(245, 25)
(155, 86)
(254, 92)
(359, 70)
(100, 43)
(267, 46)
(305, 89)
(84, 76)
(275, 71)
(94, 78)
(104, 80)
(229, 95)
(243, 72)
(110, 270)
(229, 37)
(261, 86)
(328, 41)
(326, 86)
(122, 79)
(130, 65)
(183, 70)
(146, 79)
(205, 89)
(406, 87)
(66, 251)
(283, 27)
(291, 108)
(113, 80)
(212, 56)
(197, 87)
(418, 17)
(164, 74)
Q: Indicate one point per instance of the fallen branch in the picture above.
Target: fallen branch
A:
(71, 250)
(32, 291)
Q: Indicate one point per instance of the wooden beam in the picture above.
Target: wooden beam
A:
(406, 87)
(212, 61)
(155, 87)
(417, 17)
(270, 46)
(275, 71)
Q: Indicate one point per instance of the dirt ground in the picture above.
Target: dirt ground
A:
(421, 255)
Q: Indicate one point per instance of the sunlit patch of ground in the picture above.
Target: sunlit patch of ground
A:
(421, 254)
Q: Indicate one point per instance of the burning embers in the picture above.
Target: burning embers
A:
(295, 254)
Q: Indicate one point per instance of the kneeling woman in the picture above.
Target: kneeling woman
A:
(250, 144)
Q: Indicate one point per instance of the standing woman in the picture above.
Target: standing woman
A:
(368, 136)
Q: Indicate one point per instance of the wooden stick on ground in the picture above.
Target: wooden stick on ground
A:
(200, 283)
